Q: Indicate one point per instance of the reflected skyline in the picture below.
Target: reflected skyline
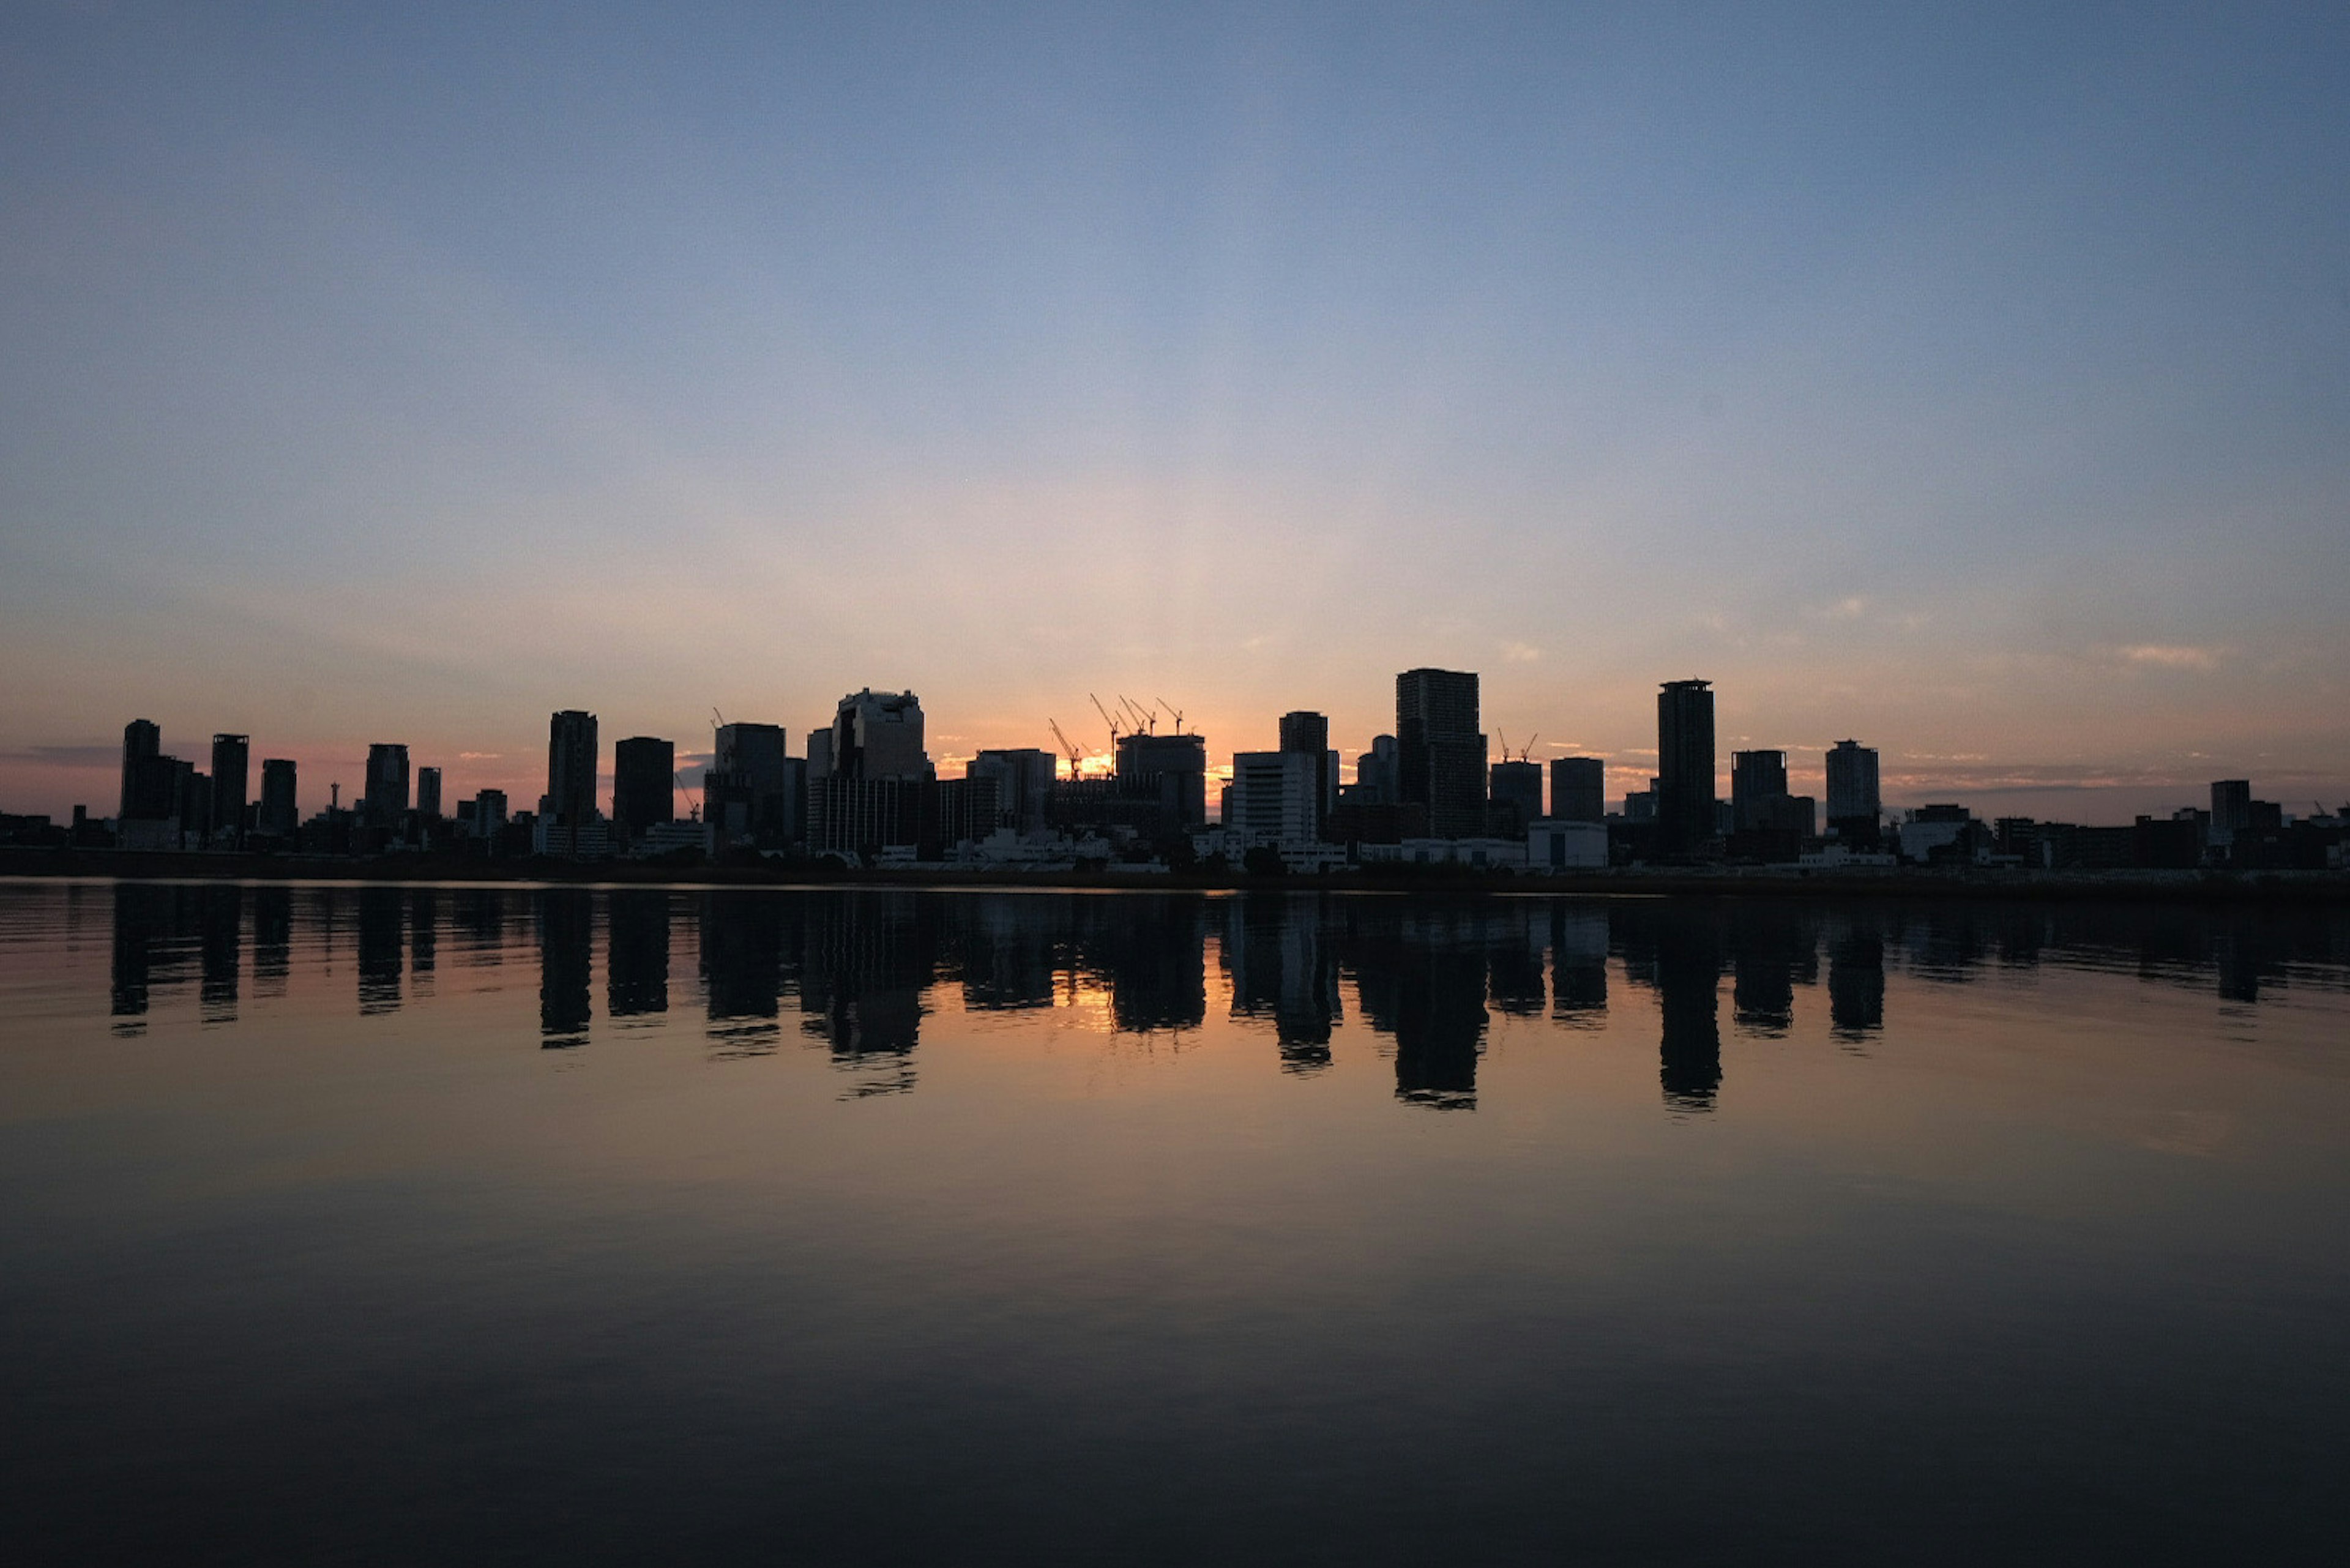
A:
(862, 969)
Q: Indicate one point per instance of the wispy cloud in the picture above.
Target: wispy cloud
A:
(1521, 652)
(97, 757)
(2171, 656)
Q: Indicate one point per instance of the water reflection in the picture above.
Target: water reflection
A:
(863, 971)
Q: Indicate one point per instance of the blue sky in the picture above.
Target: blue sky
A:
(1972, 380)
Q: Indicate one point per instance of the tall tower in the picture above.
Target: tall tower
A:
(644, 783)
(386, 785)
(1310, 733)
(571, 767)
(142, 743)
(1440, 751)
(230, 759)
(1578, 789)
(1853, 806)
(1685, 780)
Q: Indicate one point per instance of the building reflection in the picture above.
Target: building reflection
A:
(380, 931)
(636, 952)
(1857, 980)
(273, 941)
(222, 915)
(1421, 974)
(1282, 969)
(567, 934)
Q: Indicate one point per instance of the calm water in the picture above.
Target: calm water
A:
(390, 1224)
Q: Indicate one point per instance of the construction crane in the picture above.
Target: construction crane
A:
(1106, 720)
(1526, 753)
(678, 779)
(1144, 718)
(1077, 753)
(1178, 712)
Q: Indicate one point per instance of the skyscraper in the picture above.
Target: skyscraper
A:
(1853, 807)
(2231, 809)
(1685, 780)
(230, 754)
(1578, 789)
(386, 785)
(1440, 751)
(761, 786)
(1309, 734)
(1375, 778)
(879, 735)
(644, 783)
(427, 792)
(1756, 779)
(1516, 791)
(281, 810)
(571, 768)
(146, 794)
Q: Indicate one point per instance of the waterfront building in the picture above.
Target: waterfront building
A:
(1686, 815)
(1440, 751)
(1578, 789)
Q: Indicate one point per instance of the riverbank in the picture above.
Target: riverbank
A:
(2294, 887)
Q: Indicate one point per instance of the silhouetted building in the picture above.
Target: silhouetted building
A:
(1578, 789)
(143, 742)
(231, 755)
(387, 786)
(1516, 798)
(490, 815)
(1377, 781)
(1440, 751)
(2231, 809)
(1170, 770)
(1309, 734)
(1756, 779)
(879, 735)
(644, 783)
(1686, 819)
(1855, 809)
(281, 810)
(755, 791)
(428, 794)
(1023, 778)
(571, 753)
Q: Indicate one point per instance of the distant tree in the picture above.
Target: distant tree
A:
(1263, 860)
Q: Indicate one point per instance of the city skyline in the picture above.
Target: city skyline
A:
(1976, 389)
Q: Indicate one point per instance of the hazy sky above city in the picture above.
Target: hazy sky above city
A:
(1972, 380)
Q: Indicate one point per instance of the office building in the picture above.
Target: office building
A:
(879, 735)
(1377, 780)
(490, 813)
(1756, 779)
(1309, 734)
(1440, 751)
(1023, 778)
(1578, 789)
(1855, 809)
(755, 791)
(644, 783)
(1275, 801)
(571, 753)
(1170, 770)
(1516, 796)
(281, 809)
(2231, 809)
(386, 801)
(428, 794)
(142, 743)
(1686, 818)
(231, 755)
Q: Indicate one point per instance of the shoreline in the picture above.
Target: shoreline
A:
(2300, 888)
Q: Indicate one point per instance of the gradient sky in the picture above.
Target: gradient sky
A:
(1974, 381)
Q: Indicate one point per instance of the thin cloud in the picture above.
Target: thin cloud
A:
(2171, 655)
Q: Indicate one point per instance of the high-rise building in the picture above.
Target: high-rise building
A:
(428, 794)
(230, 763)
(571, 753)
(386, 785)
(2231, 809)
(1578, 789)
(762, 786)
(1377, 781)
(143, 742)
(490, 813)
(1685, 779)
(1023, 778)
(1309, 734)
(1756, 779)
(1276, 799)
(644, 783)
(879, 735)
(1855, 809)
(1171, 769)
(1516, 794)
(281, 807)
(1440, 751)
